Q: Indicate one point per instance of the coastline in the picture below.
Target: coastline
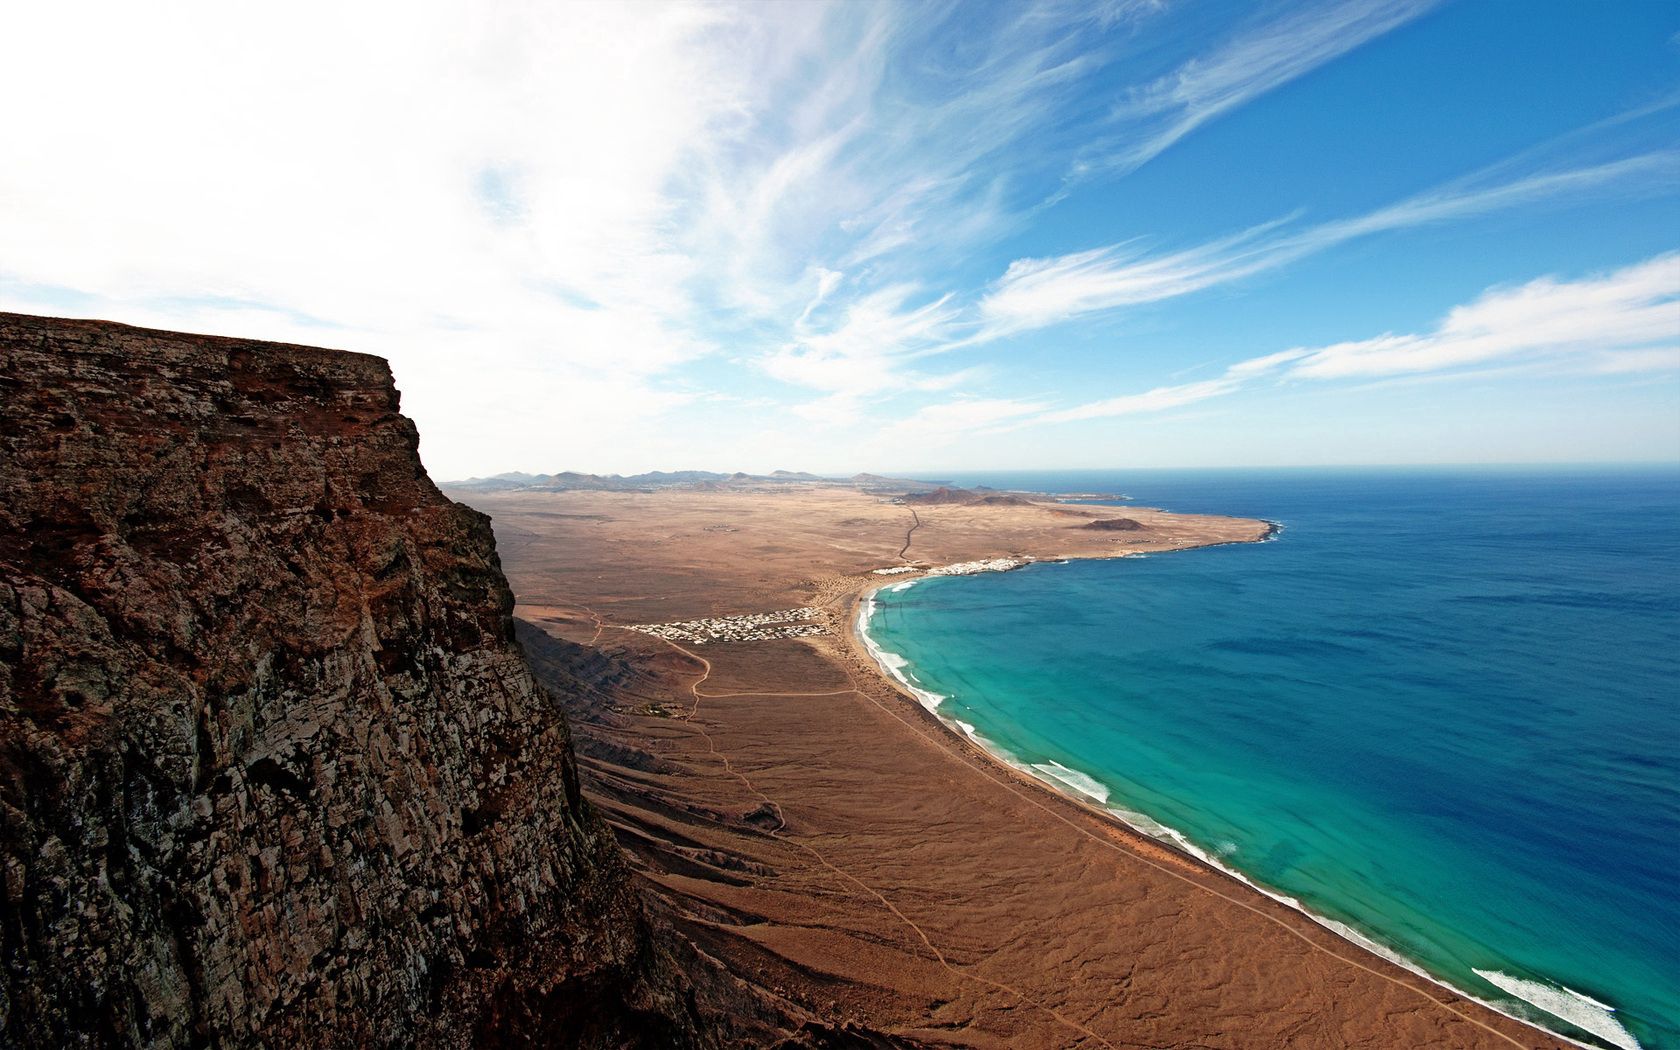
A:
(889, 668)
(817, 822)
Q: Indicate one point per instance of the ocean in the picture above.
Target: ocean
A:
(1441, 709)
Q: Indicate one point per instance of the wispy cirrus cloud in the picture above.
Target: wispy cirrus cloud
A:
(1036, 293)
(864, 350)
(1257, 59)
(885, 203)
(884, 342)
(1161, 398)
(480, 199)
(584, 196)
(1623, 322)
(565, 224)
(1632, 311)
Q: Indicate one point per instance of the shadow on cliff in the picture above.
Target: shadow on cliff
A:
(273, 768)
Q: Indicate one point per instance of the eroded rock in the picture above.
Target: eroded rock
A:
(272, 769)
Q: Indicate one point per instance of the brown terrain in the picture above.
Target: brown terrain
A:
(276, 769)
(813, 827)
(1114, 525)
(273, 769)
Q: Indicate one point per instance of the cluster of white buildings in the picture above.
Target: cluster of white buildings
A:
(961, 568)
(748, 627)
(970, 568)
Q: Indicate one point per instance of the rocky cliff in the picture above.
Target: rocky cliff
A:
(272, 767)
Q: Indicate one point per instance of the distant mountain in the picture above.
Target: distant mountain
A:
(571, 479)
(1115, 525)
(274, 770)
(947, 495)
(873, 482)
(673, 477)
(568, 480)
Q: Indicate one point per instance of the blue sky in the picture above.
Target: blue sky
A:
(890, 237)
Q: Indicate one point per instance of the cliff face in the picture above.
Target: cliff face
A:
(272, 768)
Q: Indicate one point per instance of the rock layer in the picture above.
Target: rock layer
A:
(272, 767)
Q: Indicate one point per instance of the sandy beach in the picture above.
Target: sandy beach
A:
(802, 817)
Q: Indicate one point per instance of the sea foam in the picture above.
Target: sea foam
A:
(1073, 778)
(1333, 528)
(1582, 1011)
(891, 662)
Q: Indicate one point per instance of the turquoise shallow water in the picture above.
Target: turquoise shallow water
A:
(1442, 708)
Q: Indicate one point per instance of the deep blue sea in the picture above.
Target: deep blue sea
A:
(1442, 708)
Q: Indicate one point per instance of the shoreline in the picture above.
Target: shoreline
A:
(908, 866)
(861, 607)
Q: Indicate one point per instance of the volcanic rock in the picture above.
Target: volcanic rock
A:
(1115, 525)
(273, 769)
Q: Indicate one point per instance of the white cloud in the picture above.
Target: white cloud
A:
(1035, 293)
(562, 203)
(1627, 321)
(1477, 195)
(866, 350)
(563, 223)
(479, 197)
(1258, 60)
(1636, 309)
(1158, 399)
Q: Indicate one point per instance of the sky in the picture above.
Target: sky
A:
(888, 237)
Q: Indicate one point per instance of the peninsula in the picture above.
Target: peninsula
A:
(290, 760)
(782, 795)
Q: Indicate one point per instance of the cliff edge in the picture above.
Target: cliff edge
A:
(272, 767)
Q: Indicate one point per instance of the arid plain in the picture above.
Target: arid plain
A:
(806, 821)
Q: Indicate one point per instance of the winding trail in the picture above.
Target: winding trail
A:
(831, 692)
(917, 519)
(778, 833)
(1008, 780)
